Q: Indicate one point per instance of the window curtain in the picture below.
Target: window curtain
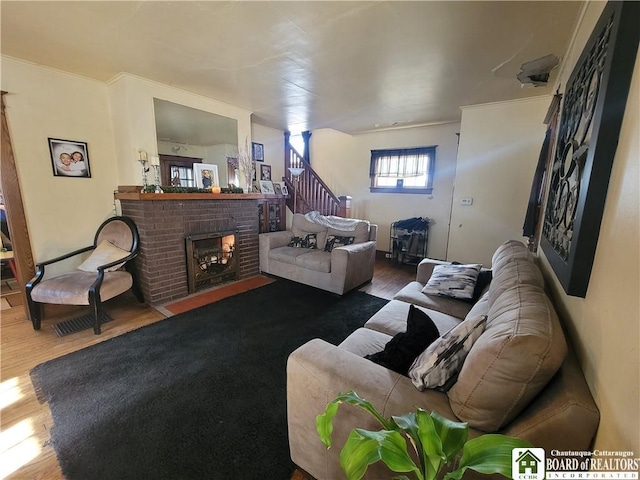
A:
(406, 162)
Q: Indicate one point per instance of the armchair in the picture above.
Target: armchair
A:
(104, 275)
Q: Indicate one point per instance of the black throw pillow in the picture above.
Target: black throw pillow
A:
(400, 352)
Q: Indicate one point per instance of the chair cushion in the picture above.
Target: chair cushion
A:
(508, 251)
(412, 293)
(521, 349)
(360, 234)
(73, 288)
(516, 272)
(104, 253)
(301, 227)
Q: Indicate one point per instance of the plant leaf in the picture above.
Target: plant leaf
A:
(364, 448)
(487, 454)
(432, 455)
(324, 421)
(452, 434)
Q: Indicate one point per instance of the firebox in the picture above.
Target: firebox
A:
(211, 259)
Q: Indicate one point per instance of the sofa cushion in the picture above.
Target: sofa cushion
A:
(360, 234)
(316, 260)
(400, 352)
(392, 319)
(288, 254)
(363, 342)
(455, 281)
(334, 241)
(509, 251)
(412, 293)
(438, 366)
(517, 272)
(521, 349)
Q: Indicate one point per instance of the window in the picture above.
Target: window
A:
(403, 170)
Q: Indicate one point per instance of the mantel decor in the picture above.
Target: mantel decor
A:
(592, 112)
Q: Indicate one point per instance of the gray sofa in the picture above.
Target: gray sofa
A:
(338, 271)
(520, 377)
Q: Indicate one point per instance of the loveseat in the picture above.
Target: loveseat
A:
(519, 378)
(329, 253)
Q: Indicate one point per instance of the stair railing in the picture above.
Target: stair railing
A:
(308, 192)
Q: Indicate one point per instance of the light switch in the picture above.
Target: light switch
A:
(466, 201)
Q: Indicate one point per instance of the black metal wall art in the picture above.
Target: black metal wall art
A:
(592, 113)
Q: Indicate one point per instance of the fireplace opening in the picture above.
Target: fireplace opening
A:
(211, 259)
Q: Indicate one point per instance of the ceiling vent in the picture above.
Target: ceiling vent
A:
(536, 72)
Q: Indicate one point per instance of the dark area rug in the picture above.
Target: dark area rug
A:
(198, 395)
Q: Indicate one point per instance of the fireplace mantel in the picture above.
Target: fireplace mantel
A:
(133, 193)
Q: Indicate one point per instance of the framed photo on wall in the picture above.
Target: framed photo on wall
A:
(206, 175)
(69, 158)
(257, 152)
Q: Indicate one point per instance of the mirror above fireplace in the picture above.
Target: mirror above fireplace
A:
(187, 135)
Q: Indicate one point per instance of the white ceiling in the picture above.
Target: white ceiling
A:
(351, 66)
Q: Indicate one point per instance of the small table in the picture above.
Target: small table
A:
(8, 256)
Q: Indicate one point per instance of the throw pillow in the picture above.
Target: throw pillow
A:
(438, 366)
(334, 241)
(104, 253)
(456, 281)
(308, 241)
(400, 352)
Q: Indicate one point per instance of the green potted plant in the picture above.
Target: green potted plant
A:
(436, 440)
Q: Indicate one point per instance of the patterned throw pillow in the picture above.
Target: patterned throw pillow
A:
(456, 281)
(438, 366)
(334, 241)
(308, 241)
(400, 352)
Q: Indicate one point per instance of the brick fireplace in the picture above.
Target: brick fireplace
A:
(166, 220)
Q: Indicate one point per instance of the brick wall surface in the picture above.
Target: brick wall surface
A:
(163, 226)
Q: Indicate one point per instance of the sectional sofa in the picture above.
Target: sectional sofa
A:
(520, 376)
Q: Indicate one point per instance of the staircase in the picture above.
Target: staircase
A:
(308, 192)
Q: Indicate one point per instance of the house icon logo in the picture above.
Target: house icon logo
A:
(527, 463)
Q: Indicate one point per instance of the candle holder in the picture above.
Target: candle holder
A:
(145, 177)
(156, 171)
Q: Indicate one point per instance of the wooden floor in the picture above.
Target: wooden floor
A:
(25, 450)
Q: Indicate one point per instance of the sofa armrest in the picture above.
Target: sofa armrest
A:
(352, 265)
(425, 269)
(269, 241)
(316, 373)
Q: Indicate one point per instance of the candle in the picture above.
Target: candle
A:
(142, 156)
(216, 190)
(155, 161)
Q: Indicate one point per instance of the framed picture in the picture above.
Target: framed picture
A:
(69, 158)
(285, 190)
(206, 175)
(593, 108)
(255, 187)
(277, 188)
(257, 152)
(265, 172)
(266, 187)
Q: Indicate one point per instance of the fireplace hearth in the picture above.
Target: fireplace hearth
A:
(211, 259)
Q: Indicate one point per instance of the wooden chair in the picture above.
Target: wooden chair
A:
(107, 273)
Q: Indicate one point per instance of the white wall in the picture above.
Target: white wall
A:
(499, 149)
(131, 102)
(605, 325)
(343, 163)
(273, 141)
(62, 212)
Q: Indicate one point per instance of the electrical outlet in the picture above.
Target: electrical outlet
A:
(466, 201)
